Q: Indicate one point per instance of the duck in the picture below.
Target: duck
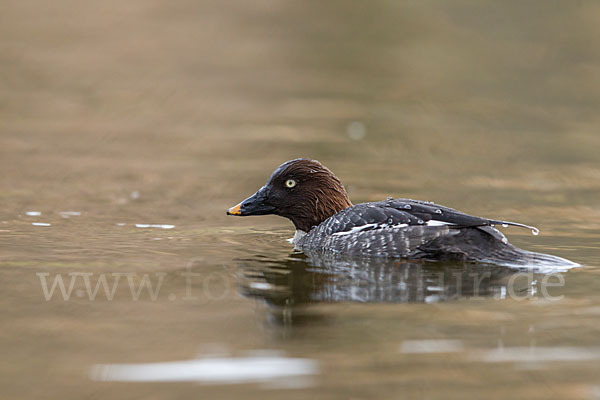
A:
(314, 199)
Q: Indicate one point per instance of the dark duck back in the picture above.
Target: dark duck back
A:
(315, 200)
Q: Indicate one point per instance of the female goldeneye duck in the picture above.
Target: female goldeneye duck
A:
(314, 199)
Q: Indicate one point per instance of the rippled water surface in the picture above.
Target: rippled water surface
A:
(128, 128)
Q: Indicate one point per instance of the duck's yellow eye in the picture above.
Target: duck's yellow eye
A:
(290, 183)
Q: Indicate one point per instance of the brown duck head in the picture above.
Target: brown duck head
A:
(302, 190)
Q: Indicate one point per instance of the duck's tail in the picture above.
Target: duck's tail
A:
(488, 245)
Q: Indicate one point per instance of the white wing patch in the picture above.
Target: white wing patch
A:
(355, 229)
(367, 226)
(435, 222)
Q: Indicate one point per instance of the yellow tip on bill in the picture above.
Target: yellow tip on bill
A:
(235, 210)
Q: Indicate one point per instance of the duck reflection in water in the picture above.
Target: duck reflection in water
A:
(314, 278)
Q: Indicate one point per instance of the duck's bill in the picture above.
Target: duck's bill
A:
(253, 205)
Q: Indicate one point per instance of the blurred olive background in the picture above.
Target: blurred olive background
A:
(169, 112)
